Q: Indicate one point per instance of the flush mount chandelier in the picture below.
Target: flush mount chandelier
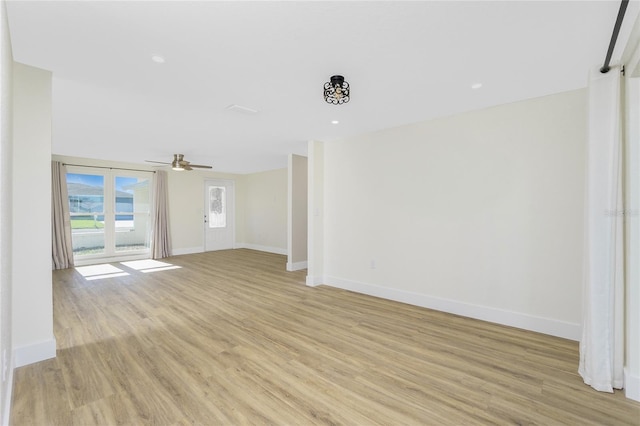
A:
(336, 91)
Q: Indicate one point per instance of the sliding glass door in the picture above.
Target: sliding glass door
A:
(110, 213)
(132, 214)
(86, 206)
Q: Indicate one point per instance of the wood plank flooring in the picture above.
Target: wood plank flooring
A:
(232, 338)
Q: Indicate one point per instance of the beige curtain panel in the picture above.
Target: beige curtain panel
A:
(61, 244)
(160, 237)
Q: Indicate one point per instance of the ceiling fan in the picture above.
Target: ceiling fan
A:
(179, 163)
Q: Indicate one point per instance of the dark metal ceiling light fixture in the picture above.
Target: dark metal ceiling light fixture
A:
(336, 91)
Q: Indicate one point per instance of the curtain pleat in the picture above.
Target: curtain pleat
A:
(61, 247)
(160, 237)
(602, 343)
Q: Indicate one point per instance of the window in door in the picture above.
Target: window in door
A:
(217, 207)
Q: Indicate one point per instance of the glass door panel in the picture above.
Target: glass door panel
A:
(86, 206)
(132, 213)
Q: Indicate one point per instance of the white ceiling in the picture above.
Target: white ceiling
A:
(405, 62)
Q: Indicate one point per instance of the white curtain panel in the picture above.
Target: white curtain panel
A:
(602, 344)
(160, 237)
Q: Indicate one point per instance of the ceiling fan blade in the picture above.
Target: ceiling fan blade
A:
(179, 163)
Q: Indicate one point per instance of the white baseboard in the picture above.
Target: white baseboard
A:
(514, 319)
(296, 266)
(631, 385)
(188, 250)
(6, 412)
(314, 281)
(276, 250)
(36, 352)
(193, 250)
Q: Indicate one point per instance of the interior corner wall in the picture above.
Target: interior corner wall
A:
(6, 221)
(265, 216)
(32, 322)
(478, 214)
(297, 213)
(315, 213)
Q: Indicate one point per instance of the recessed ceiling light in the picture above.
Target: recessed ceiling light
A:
(334, 122)
(476, 85)
(158, 59)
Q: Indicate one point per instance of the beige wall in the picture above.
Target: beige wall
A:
(32, 308)
(479, 214)
(265, 224)
(186, 212)
(297, 214)
(260, 210)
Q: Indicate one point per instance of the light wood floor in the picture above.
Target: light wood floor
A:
(231, 338)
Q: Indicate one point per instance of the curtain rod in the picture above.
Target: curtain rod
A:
(614, 36)
(110, 168)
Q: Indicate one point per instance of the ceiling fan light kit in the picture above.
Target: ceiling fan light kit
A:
(176, 164)
(336, 91)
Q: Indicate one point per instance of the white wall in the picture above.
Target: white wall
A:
(32, 311)
(479, 214)
(266, 211)
(297, 215)
(6, 222)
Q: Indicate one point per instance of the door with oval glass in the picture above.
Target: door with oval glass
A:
(219, 224)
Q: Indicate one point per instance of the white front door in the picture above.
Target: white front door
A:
(219, 227)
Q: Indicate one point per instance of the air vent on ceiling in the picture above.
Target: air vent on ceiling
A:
(242, 109)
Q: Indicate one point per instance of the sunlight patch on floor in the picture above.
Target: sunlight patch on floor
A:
(96, 272)
(149, 265)
(166, 268)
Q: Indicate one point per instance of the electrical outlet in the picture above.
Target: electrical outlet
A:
(373, 264)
